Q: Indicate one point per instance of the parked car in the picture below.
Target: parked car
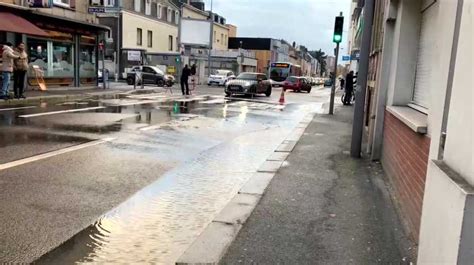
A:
(297, 84)
(249, 84)
(328, 82)
(149, 75)
(220, 78)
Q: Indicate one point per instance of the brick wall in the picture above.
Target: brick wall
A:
(405, 160)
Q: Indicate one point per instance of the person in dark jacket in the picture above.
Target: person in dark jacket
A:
(20, 67)
(184, 79)
(341, 80)
(349, 88)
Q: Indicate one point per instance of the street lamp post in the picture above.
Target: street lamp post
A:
(211, 25)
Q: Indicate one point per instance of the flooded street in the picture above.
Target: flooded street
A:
(168, 166)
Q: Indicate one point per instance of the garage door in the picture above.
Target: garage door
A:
(426, 52)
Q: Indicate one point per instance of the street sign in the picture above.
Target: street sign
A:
(346, 57)
(99, 6)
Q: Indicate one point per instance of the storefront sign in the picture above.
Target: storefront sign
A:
(40, 3)
(134, 56)
(98, 6)
(171, 69)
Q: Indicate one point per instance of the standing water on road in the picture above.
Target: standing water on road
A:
(159, 222)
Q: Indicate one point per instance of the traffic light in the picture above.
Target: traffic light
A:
(177, 59)
(338, 27)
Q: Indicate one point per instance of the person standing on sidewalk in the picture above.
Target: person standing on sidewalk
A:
(341, 80)
(8, 55)
(20, 68)
(349, 88)
(184, 79)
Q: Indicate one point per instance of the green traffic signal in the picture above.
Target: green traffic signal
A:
(338, 28)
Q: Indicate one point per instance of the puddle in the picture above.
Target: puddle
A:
(158, 223)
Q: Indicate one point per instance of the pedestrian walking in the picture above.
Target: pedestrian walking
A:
(349, 88)
(20, 69)
(8, 55)
(184, 80)
(341, 80)
(193, 76)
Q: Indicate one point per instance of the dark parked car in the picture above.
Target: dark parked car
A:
(149, 75)
(249, 84)
(297, 84)
(328, 82)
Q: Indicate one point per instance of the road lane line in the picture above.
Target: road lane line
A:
(53, 153)
(8, 109)
(59, 112)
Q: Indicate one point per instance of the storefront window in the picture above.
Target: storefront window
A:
(38, 55)
(63, 60)
(54, 57)
(87, 60)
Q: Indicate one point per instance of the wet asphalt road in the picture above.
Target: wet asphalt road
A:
(139, 174)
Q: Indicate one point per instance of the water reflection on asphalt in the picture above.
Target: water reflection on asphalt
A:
(160, 221)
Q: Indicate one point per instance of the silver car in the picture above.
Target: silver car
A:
(248, 84)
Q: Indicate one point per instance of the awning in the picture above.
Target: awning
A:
(16, 24)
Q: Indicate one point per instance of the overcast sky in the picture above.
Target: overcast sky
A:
(308, 22)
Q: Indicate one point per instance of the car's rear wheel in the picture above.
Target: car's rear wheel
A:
(228, 94)
(269, 91)
(130, 81)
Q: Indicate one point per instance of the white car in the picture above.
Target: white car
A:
(220, 78)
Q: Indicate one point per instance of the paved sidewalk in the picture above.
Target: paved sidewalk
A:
(324, 207)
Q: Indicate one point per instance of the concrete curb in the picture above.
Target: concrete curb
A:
(212, 244)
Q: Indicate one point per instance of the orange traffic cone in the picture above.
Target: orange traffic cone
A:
(282, 96)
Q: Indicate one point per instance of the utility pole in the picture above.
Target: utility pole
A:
(358, 123)
(209, 56)
(117, 48)
(337, 38)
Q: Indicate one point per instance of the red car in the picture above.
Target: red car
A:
(297, 84)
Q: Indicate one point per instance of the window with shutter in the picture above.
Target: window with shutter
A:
(426, 52)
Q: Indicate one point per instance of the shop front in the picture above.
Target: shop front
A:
(66, 55)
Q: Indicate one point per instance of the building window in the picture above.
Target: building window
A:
(109, 3)
(176, 17)
(148, 7)
(63, 3)
(150, 38)
(170, 43)
(159, 12)
(215, 35)
(137, 5)
(222, 38)
(168, 14)
(139, 36)
(225, 39)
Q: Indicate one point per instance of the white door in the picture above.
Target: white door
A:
(426, 52)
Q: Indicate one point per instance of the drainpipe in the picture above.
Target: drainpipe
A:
(358, 123)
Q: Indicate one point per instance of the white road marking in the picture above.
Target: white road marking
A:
(8, 109)
(53, 153)
(59, 112)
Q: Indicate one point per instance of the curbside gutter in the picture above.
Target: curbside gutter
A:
(212, 244)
